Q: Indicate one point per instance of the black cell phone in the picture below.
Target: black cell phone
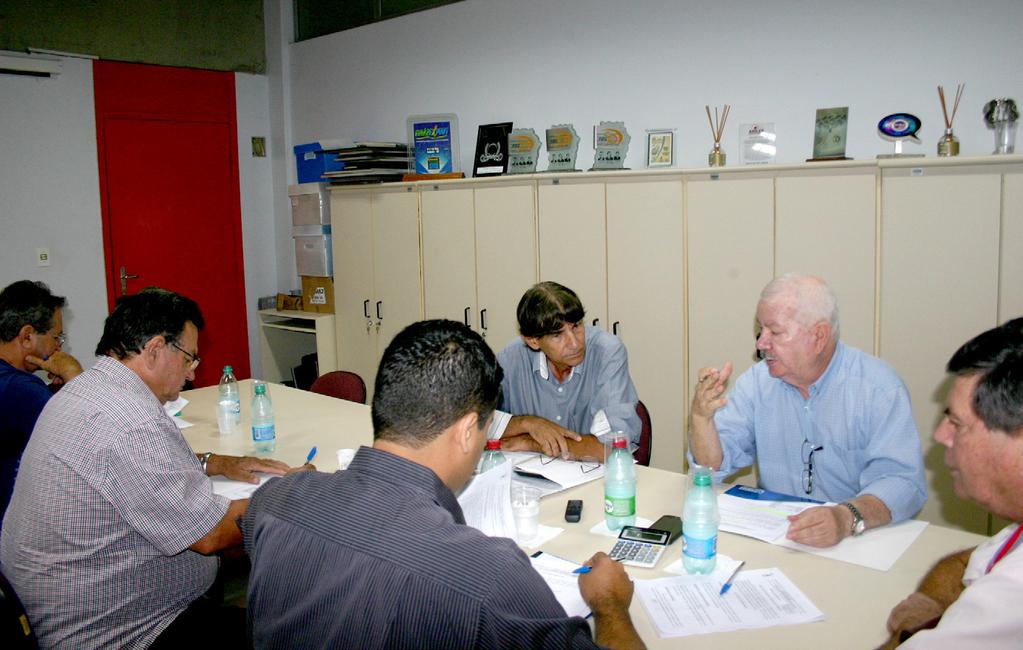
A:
(573, 510)
(669, 524)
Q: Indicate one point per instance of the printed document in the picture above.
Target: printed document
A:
(557, 573)
(689, 605)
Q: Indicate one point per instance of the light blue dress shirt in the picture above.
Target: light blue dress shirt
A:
(601, 383)
(858, 411)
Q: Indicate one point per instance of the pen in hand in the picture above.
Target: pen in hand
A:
(586, 568)
(728, 583)
(312, 454)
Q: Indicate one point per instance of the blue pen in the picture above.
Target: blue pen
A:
(728, 583)
(583, 569)
(312, 454)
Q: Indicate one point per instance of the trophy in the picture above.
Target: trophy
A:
(716, 158)
(948, 145)
(610, 144)
(897, 128)
(1001, 115)
(523, 147)
(562, 146)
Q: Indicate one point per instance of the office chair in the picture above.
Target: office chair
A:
(646, 435)
(342, 385)
(15, 631)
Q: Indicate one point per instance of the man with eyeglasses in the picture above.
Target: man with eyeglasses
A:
(968, 599)
(820, 419)
(31, 336)
(110, 536)
(566, 385)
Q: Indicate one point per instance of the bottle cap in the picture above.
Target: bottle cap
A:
(260, 389)
(494, 444)
(228, 369)
(620, 443)
(702, 480)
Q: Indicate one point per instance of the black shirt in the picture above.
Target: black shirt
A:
(379, 556)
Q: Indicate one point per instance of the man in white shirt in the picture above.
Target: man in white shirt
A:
(969, 599)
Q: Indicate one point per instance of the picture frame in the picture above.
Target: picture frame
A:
(491, 158)
(660, 147)
(433, 144)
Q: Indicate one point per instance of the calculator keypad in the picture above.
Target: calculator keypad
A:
(638, 554)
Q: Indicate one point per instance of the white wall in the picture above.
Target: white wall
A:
(49, 195)
(656, 63)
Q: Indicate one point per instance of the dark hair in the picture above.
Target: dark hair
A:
(141, 316)
(27, 303)
(431, 374)
(546, 307)
(996, 355)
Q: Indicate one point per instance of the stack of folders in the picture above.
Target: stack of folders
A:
(370, 162)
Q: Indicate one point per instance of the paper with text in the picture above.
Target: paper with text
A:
(557, 573)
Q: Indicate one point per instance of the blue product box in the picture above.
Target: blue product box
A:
(312, 162)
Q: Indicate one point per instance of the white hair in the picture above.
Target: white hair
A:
(813, 299)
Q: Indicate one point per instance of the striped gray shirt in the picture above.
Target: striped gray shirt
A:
(108, 499)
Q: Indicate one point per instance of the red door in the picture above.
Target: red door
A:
(168, 169)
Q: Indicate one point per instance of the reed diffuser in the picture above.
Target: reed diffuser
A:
(948, 145)
(716, 158)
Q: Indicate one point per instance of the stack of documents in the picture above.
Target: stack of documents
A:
(369, 162)
(560, 474)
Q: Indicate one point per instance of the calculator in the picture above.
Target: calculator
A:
(642, 547)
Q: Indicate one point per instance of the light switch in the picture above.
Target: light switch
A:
(42, 257)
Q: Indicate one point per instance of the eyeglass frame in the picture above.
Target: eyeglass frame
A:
(807, 458)
(193, 359)
(586, 465)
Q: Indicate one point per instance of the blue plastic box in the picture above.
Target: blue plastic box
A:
(312, 162)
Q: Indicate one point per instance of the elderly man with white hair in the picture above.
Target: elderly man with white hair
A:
(819, 419)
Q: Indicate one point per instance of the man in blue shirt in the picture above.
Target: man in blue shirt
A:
(818, 418)
(31, 335)
(566, 385)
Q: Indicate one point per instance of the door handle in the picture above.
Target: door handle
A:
(595, 321)
(365, 308)
(124, 280)
(465, 316)
(379, 317)
(614, 327)
(483, 321)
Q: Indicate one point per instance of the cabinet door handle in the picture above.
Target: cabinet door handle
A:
(595, 321)
(365, 308)
(483, 319)
(614, 327)
(379, 317)
(465, 316)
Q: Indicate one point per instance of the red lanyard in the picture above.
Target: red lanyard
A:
(1006, 547)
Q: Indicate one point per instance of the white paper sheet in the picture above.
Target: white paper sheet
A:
(878, 548)
(689, 605)
(237, 489)
(566, 473)
(486, 502)
(557, 573)
(173, 409)
(722, 570)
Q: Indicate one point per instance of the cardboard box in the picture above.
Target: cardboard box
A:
(318, 294)
(312, 162)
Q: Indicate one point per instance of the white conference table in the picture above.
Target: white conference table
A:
(855, 600)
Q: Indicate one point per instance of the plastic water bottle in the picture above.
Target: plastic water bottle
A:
(264, 436)
(619, 486)
(229, 404)
(492, 457)
(700, 524)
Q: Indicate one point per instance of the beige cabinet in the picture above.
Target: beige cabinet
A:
(377, 272)
(449, 253)
(939, 287)
(286, 336)
(572, 240)
(825, 224)
(645, 306)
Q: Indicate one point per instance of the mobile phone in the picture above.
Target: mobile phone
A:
(669, 524)
(573, 510)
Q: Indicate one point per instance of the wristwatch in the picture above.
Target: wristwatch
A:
(205, 458)
(858, 525)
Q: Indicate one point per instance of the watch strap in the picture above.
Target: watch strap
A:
(858, 525)
(204, 459)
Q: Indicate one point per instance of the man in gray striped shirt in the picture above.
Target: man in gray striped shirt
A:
(379, 556)
(110, 535)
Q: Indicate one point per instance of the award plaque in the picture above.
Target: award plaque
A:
(660, 147)
(491, 157)
(897, 128)
(759, 143)
(610, 145)
(562, 147)
(433, 144)
(829, 133)
(523, 150)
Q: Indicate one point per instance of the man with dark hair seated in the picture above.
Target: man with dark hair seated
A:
(379, 556)
(566, 384)
(970, 597)
(110, 535)
(31, 337)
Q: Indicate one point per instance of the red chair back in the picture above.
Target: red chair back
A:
(342, 385)
(646, 435)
